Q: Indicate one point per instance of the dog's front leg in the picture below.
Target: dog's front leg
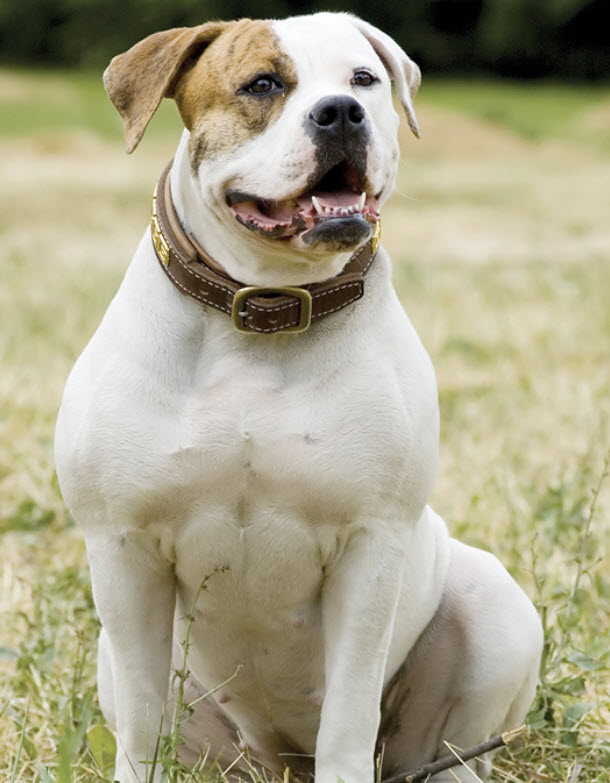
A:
(134, 592)
(359, 600)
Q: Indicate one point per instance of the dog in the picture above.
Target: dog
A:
(250, 439)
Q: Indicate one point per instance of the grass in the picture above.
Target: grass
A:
(537, 112)
(501, 241)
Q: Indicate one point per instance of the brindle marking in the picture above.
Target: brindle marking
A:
(137, 80)
(202, 68)
(219, 116)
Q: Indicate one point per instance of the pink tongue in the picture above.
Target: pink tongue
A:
(339, 198)
(280, 213)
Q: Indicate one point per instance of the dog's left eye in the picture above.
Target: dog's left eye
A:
(263, 85)
(364, 78)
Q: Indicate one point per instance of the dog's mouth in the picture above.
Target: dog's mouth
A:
(338, 196)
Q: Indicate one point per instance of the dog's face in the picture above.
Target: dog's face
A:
(293, 135)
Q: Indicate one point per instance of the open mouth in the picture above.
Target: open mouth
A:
(337, 196)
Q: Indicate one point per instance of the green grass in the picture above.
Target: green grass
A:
(41, 102)
(501, 241)
(533, 110)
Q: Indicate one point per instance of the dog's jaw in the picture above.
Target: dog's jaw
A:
(243, 254)
(344, 214)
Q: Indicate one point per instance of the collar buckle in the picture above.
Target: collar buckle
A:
(239, 312)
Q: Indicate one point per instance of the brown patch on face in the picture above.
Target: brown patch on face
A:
(210, 96)
(138, 79)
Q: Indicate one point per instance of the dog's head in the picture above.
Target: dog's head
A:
(293, 134)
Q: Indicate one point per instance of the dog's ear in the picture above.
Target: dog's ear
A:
(402, 69)
(138, 79)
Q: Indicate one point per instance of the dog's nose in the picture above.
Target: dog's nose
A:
(336, 115)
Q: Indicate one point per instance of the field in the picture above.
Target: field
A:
(500, 233)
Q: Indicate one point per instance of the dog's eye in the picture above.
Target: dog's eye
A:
(364, 78)
(263, 85)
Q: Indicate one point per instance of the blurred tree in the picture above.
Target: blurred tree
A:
(512, 37)
(525, 38)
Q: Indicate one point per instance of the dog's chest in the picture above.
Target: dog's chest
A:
(254, 435)
(281, 468)
(271, 463)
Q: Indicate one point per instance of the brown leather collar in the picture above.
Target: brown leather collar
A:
(254, 309)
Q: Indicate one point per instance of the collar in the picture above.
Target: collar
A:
(253, 309)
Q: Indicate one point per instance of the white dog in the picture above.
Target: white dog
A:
(256, 408)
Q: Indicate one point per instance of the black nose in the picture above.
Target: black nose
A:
(337, 114)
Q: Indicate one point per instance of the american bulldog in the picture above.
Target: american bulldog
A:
(256, 414)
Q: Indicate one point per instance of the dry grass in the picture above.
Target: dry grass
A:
(501, 242)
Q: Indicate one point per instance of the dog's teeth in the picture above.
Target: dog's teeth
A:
(317, 206)
(362, 202)
(327, 210)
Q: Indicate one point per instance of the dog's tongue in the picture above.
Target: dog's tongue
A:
(338, 198)
(274, 213)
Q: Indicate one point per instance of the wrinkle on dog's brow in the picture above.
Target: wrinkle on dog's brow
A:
(218, 117)
(236, 38)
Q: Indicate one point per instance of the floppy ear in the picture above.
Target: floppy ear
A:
(138, 79)
(402, 69)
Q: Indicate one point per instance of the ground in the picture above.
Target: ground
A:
(500, 235)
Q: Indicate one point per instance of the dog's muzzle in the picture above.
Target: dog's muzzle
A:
(337, 206)
(338, 128)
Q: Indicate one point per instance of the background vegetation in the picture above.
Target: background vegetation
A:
(522, 38)
(500, 237)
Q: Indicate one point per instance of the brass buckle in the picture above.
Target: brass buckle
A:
(238, 312)
(158, 240)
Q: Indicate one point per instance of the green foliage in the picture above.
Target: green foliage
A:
(102, 745)
(523, 38)
(534, 113)
(517, 37)
(52, 667)
(28, 517)
(77, 102)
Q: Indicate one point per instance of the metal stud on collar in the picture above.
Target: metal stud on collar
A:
(376, 238)
(160, 243)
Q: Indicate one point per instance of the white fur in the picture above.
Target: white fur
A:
(302, 463)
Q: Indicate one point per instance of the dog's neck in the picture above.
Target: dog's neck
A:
(244, 256)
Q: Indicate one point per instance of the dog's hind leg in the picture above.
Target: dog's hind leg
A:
(471, 675)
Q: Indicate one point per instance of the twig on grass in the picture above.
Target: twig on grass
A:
(454, 759)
